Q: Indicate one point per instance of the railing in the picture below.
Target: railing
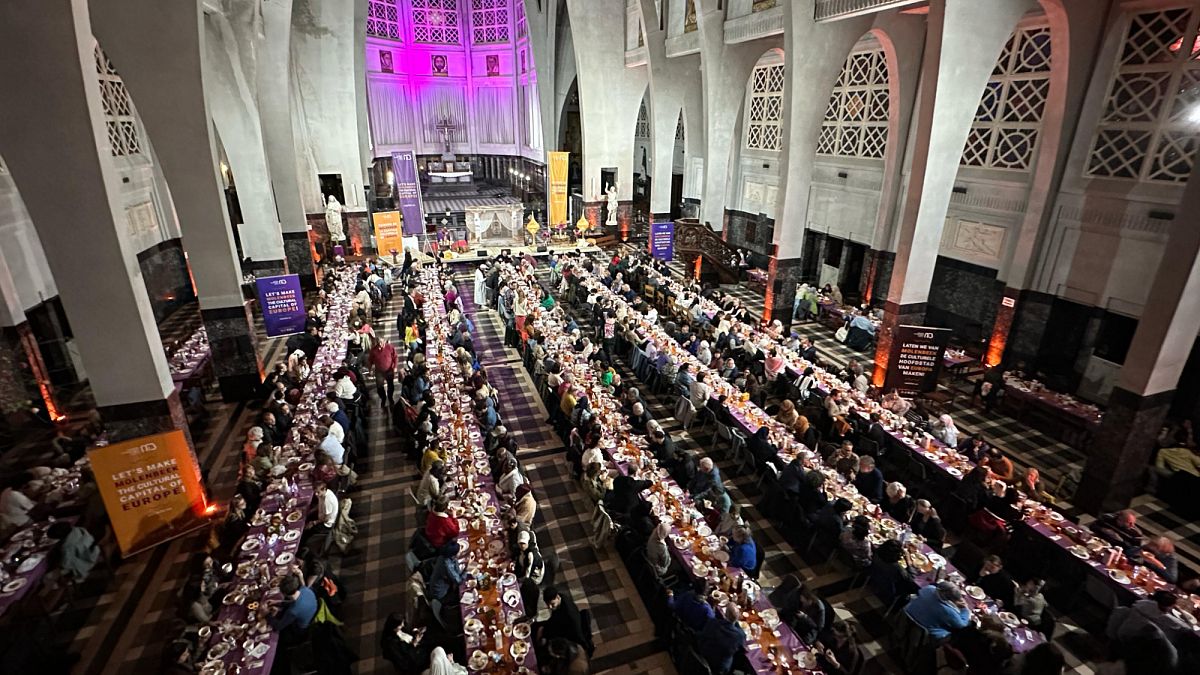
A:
(832, 10)
(692, 239)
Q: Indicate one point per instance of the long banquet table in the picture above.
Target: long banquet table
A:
(493, 612)
(240, 638)
(928, 564)
(772, 646)
(1046, 523)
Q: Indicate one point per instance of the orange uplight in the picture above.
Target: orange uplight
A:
(880, 374)
(34, 355)
(996, 346)
(210, 509)
(699, 262)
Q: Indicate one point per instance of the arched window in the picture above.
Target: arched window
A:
(1152, 111)
(383, 19)
(764, 108)
(489, 21)
(642, 130)
(856, 121)
(119, 117)
(435, 21)
(1009, 119)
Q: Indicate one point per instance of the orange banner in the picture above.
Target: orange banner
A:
(151, 489)
(558, 188)
(388, 234)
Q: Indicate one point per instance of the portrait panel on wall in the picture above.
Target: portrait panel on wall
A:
(439, 64)
(493, 65)
(522, 61)
(385, 61)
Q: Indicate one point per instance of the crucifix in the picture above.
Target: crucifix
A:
(446, 127)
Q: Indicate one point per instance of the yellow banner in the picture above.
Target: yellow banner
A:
(388, 234)
(558, 188)
(151, 489)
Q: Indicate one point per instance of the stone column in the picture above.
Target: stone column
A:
(963, 41)
(235, 115)
(157, 48)
(1146, 384)
(97, 274)
(674, 85)
(782, 277)
(1076, 28)
(724, 73)
(275, 111)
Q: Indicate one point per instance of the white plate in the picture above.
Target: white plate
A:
(307, 466)
(291, 535)
(251, 545)
(704, 530)
(478, 660)
(213, 668)
(976, 592)
(521, 631)
(953, 471)
(1119, 576)
(473, 626)
(721, 555)
(936, 560)
(14, 585)
(30, 563)
(1080, 552)
(284, 558)
(519, 649)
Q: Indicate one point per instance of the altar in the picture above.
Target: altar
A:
(496, 225)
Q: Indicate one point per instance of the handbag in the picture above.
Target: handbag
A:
(841, 334)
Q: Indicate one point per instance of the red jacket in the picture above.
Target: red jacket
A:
(440, 529)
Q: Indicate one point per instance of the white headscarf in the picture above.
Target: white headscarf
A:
(440, 664)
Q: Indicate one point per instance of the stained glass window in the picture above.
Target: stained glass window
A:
(856, 121)
(764, 112)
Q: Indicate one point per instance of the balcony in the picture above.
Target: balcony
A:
(682, 45)
(832, 10)
(753, 26)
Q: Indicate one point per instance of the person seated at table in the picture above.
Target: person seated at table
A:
(760, 446)
(510, 476)
(707, 475)
(944, 430)
(236, 523)
(791, 477)
(1000, 466)
(691, 605)
(1120, 529)
(980, 649)
(811, 496)
(1176, 458)
(927, 523)
(595, 481)
(1004, 503)
(996, 581)
(1156, 611)
(402, 646)
(806, 432)
(15, 507)
(940, 609)
(719, 408)
(889, 579)
(838, 410)
(973, 490)
(877, 433)
(320, 526)
(658, 554)
(638, 418)
(524, 505)
(855, 542)
(743, 550)
(728, 370)
(445, 575)
(841, 457)
(660, 443)
(721, 639)
(621, 498)
(787, 415)
(896, 403)
(292, 618)
(77, 553)
(440, 526)
(974, 448)
(1028, 601)
(839, 651)
(869, 479)
(1159, 556)
(897, 503)
(564, 621)
(990, 387)
(330, 445)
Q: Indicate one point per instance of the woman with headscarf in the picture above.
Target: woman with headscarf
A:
(298, 368)
(760, 445)
(704, 353)
(945, 431)
(773, 366)
(524, 506)
(787, 415)
(807, 432)
(657, 553)
(442, 664)
(510, 477)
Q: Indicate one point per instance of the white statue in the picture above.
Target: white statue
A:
(333, 219)
(611, 220)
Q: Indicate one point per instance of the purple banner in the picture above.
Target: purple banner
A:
(662, 240)
(282, 303)
(408, 191)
